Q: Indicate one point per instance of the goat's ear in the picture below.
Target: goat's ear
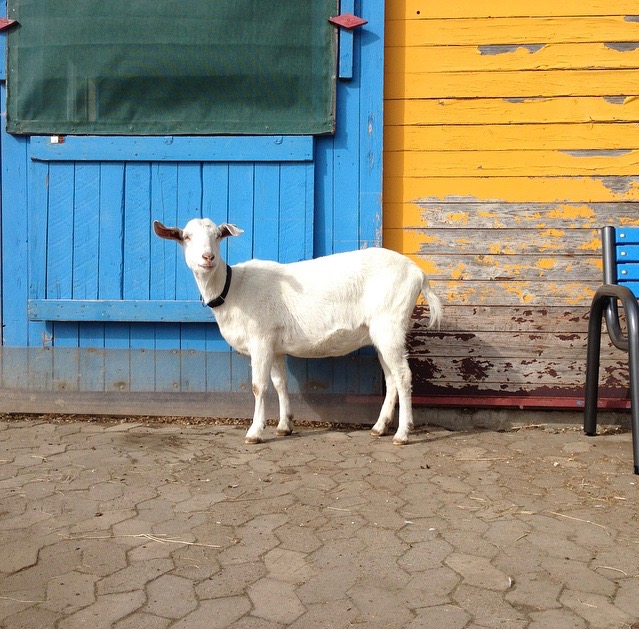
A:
(168, 233)
(226, 229)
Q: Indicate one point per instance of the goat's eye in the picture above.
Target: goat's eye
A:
(186, 237)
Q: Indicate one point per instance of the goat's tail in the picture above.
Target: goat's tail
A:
(434, 304)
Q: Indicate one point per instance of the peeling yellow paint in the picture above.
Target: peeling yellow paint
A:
(428, 266)
(573, 293)
(546, 263)
(572, 212)
(594, 244)
(552, 233)
(458, 217)
(520, 291)
(458, 272)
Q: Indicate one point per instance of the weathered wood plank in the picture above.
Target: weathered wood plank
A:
(511, 374)
(508, 267)
(509, 84)
(505, 137)
(520, 31)
(515, 163)
(425, 242)
(500, 57)
(520, 345)
(546, 318)
(516, 292)
(417, 9)
(517, 189)
(435, 214)
(569, 109)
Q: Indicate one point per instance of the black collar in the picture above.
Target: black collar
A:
(218, 301)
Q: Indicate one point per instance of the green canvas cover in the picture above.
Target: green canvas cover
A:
(157, 67)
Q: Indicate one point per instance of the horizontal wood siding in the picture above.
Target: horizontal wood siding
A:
(511, 137)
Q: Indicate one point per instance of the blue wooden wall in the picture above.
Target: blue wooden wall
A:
(92, 301)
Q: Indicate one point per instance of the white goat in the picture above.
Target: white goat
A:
(316, 308)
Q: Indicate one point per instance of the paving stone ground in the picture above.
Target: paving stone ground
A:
(132, 525)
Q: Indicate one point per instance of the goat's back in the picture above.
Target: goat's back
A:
(371, 278)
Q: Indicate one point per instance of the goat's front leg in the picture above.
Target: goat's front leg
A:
(261, 361)
(279, 378)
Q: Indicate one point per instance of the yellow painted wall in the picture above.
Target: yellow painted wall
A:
(511, 137)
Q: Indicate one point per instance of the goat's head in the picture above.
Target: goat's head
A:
(200, 239)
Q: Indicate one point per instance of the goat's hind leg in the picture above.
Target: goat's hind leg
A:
(279, 378)
(390, 345)
(388, 407)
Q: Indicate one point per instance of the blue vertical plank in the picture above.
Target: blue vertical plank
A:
(192, 336)
(346, 168)
(215, 199)
(165, 255)
(189, 205)
(267, 215)
(14, 288)
(241, 179)
(166, 259)
(38, 365)
(293, 212)
(137, 271)
(137, 233)
(324, 195)
(215, 191)
(111, 271)
(86, 231)
(371, 122)
(215, 195)
(111, 231)
(240, 249)
(14, 234)
(309, 218)
(39, 332)
(60, 244)
(85, 275)
(60, 231)
(346, 44)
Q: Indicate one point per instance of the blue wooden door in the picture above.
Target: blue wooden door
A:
(94, 302)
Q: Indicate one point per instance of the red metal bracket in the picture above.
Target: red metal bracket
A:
(347, 21)
(5, 23)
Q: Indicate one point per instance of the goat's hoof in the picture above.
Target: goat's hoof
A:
(400, 441)
(252, 440)
(377, 433)
(284, 432)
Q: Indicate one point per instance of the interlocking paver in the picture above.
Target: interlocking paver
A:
(152, 525)
(275, 600)
(70, 592)
(169, 596)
